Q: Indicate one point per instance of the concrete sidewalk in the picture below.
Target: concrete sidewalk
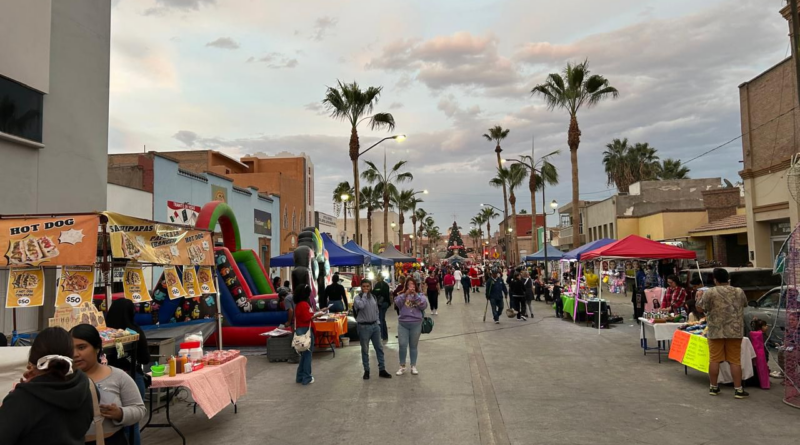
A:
(543, 381)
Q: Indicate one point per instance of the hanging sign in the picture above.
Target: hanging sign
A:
(75, 286)
(150, 242)
(190, 283)
(173, 283)
(25, 288)
(134, 285)
(55, 241)
(205, 276)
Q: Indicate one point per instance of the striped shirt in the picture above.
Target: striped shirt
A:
(367, 307)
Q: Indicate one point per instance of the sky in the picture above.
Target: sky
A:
(247, 76)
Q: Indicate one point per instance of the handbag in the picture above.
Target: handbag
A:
(302, 342)
(427, 324)
(510, 312)
(98, 418)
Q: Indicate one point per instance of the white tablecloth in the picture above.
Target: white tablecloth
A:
(748, 354)
(658, 331)
(13, 361)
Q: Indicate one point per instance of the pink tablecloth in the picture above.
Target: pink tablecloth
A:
(213, 387)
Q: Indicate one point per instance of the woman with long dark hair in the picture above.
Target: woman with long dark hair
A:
(303, 317)
(52, 404)
(120, 402)
(122, 316)
(410, 304)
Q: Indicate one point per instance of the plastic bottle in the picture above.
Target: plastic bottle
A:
(182, 365)
(172, 366)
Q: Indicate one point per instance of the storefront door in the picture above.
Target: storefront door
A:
(779, 231)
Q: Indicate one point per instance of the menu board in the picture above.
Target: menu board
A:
(150, 242)
(134, 285)
(25, 288)
(75, 286)
(205, 276)
(173, 283)
(53, 241)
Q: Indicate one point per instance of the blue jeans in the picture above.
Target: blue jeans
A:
(497, 307)
(337, 306)
(408, 334)
(304, 367)
(384, 328)
(367, 333)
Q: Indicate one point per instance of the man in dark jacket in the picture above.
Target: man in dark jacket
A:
(495, 291)
(384, 297)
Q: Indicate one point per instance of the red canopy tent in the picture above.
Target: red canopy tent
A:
(634, 246)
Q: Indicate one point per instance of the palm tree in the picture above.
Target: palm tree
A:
(497, 134)
(384, 182)
(672, 169)
(547, 174)
(511, 177)
(343, 188)
(347, 102)
(570, 91)
(626, 164)
(476, 235)
(370, 201)
(644, 162)
(418, 215)
(404, 201)
(488, 215)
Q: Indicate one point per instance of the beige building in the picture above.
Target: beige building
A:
(769, 115)
(377, 230)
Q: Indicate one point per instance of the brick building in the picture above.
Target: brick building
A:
(523, 232)
(769, 119)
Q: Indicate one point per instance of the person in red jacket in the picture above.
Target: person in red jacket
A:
(475, 278)
(303, 317)
(449, 284)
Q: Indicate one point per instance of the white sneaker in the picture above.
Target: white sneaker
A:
(401, 371)
(312, 381)
(497, 322)
(414, 370)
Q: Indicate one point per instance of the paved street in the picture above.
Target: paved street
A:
(544, 381)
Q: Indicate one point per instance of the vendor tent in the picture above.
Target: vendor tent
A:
(337, 256)
(456, 258)
(374, 260)
(552, 254)
(575, 254)
(396, 256)
(634, 246)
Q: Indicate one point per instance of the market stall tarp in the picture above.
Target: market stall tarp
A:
(396, 256)
(552, 254)
(337, 256)
(634, 246)
(456, 258)
(575, 254)
(375, 260)
(158, 243)
(68, 240)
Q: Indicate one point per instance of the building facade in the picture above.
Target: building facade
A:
(54, 81)
(377, 230)
(326, 224)
(769, 116)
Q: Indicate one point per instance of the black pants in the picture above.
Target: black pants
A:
(466, 294)
(559, 307)
(518, 303)
(448, 292)
(433, 299)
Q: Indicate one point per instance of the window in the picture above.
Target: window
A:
(612, 231)
(20, 110)
(294, 220)
(770, 300)
(285, 218)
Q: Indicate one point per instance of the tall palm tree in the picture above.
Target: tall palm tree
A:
(511, 177)
(384, 182)
(339, 204)
(347, 102)
(496, 134)
(488, 214)
(418, 215)
(370, 201)
(626, 164)
(476, 235)
(672, 169)
(547, 174)
(571, 91)
(404, 201)
(478, 221)
(644, 162)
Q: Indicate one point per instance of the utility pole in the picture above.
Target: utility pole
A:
(795, 46)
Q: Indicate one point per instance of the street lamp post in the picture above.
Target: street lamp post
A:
(357, 201)
(414, 220)
(554, 206)
(506, 231)
(345, 197)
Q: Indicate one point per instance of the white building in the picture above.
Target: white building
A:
(54, 77)
(377, 229)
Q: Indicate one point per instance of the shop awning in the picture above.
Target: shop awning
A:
(575, 254)
(635, 246)
(374, 260)
(732, 225)
(396, 256)
(552, 254)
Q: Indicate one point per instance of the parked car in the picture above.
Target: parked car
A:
(754, 281)
(771, 308)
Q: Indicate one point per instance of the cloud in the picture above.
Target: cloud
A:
(395, 106)
(275, 60)
(224, 43)
(322, 26)
(317, 108)
(165, 6)
(460, 59)
(187, 137)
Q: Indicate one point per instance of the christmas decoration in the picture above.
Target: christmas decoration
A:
(455, 245)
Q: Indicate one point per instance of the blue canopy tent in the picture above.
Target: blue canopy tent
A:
(374, 260)
(552, 254)
(337, 256)
(575, 254)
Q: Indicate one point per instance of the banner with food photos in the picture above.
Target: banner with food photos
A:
(134, 284)
(50, 241)
(205, 276)
(173, 283)
(75, 286)
(25, 287)
(146, 241)
(190, 283)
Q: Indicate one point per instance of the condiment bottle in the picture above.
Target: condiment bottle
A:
(182, 366)
(172, 366)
